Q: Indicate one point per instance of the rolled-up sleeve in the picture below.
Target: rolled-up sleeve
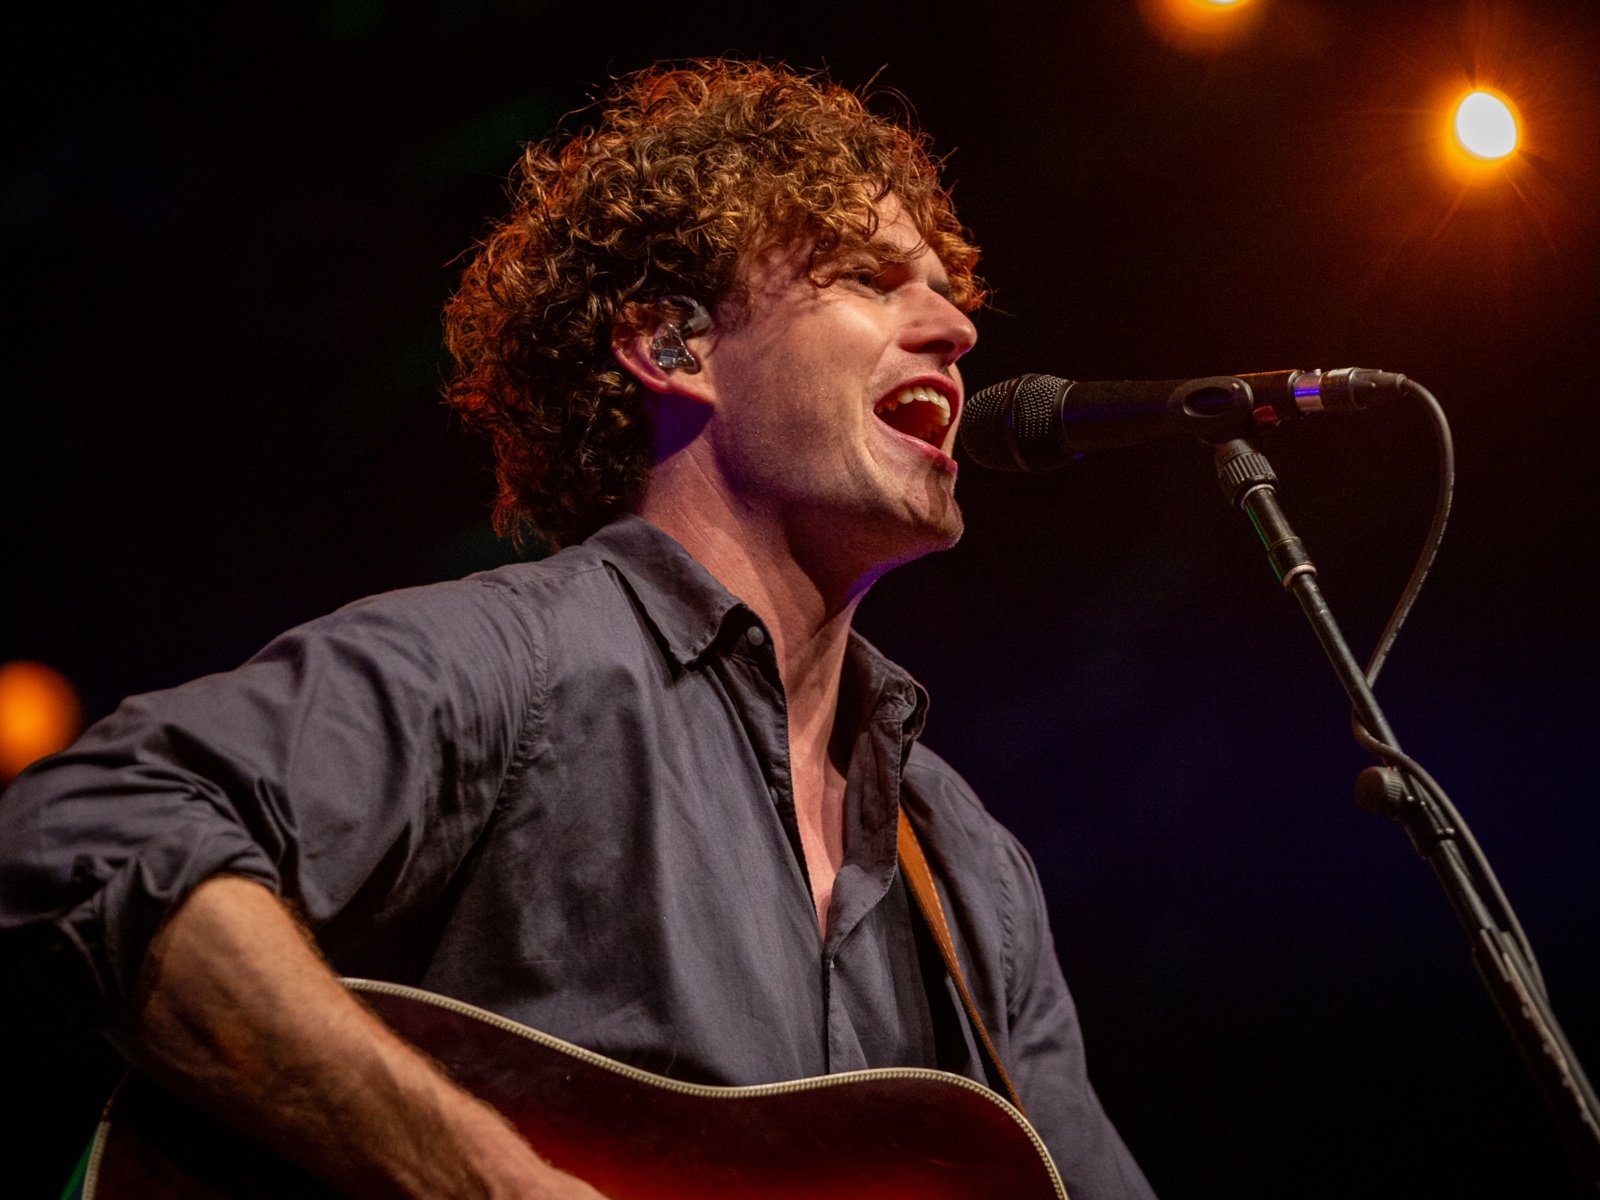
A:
(380, 734)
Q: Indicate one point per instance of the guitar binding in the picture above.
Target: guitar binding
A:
(374, 987)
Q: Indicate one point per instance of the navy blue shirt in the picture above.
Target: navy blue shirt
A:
(562, 791)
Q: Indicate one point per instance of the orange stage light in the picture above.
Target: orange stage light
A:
(39, 715)
(1480, 135)
(1484, 125)
(1200, 24)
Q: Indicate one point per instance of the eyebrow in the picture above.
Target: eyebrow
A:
(940, 286)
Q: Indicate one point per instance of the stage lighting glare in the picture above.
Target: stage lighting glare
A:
(1202, 26)
(1485, 126)
(39, 715)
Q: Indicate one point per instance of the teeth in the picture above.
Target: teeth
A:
(917, 395)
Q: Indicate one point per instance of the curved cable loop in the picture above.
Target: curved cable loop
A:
(1430, 546)
(1408, 597)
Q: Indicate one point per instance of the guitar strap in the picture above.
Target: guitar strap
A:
(915, 866)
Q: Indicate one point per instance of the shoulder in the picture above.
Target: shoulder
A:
(984, 869)
(480, 642)
(572, 591)
(507, 606)
(970, 842)
(943, 788)
(947, 802)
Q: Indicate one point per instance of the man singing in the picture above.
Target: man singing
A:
(643, 794)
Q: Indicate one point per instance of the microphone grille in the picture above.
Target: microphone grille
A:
(1033, 415)
(1011, 426)
(985, 432)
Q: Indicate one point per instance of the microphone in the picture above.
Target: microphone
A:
(1039, 422)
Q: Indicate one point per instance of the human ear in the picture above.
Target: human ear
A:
(653, 345)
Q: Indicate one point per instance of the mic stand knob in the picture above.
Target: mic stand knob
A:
(1250, 483)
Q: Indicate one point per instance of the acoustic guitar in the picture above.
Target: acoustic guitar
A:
(887, 1134)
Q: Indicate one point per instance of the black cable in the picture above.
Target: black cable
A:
(1392, 755)
(1430, 546)
(1414, 772)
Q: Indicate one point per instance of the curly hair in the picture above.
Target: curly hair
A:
(690, 170)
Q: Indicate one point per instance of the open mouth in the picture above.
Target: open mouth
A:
(920, 412)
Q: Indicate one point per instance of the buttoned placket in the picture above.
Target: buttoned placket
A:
(887, 729)
(758, 650)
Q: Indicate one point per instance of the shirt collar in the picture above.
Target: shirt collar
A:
(889, 691)
(689, 609)
(681, 598)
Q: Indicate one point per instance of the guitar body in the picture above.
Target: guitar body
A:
(888, 1134)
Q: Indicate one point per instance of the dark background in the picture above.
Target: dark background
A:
(229, 231)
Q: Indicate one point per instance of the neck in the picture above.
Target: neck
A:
(805, 599)
(796, 575)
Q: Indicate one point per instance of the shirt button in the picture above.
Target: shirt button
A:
(757, 636)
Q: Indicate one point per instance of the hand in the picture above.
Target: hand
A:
(557, 1185)
(235, 1012)
(507, 1168)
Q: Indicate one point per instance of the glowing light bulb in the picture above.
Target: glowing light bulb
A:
(39, 715)
(1485, 126)
(1202, 26)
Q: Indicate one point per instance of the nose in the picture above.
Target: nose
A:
(939, 328)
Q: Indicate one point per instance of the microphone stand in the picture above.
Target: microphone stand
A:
(1408, 796)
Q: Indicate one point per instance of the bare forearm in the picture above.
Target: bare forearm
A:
(235, 1010)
